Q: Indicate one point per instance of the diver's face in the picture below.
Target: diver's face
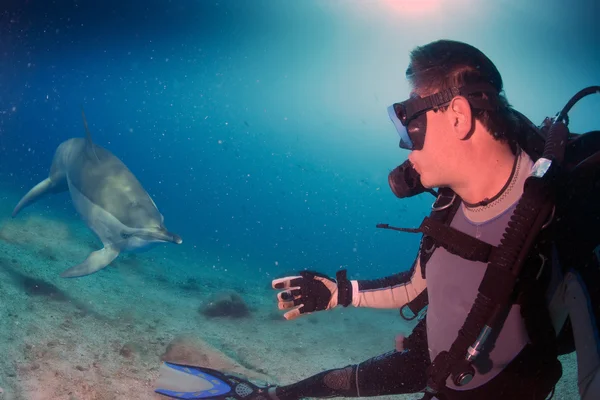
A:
(434, 162)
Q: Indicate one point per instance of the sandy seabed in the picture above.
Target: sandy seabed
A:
(103, 336)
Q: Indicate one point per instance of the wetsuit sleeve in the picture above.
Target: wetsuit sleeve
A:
(391, 292)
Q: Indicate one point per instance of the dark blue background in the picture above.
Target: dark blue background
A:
(259, 127)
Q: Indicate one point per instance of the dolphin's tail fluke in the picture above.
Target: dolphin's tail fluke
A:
(40, 190)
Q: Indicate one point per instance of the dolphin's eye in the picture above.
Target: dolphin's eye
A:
(125, 235)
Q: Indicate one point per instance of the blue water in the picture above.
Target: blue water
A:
(260, 127)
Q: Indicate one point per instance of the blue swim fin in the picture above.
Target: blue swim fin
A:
(181, 381)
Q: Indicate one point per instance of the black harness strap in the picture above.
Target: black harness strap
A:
(443, 210)
(415, 306)
(437, 232)
(455, 241)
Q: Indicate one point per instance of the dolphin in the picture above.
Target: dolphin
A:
(107, 196)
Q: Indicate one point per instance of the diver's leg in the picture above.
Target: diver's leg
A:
(395, 372)
(332, 383)
(584, 311)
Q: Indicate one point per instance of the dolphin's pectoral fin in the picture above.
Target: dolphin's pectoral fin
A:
(93, 263)
(43, 188)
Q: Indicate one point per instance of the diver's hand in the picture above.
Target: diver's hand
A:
(312, 291)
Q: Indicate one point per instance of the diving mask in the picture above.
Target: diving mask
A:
(409, 117)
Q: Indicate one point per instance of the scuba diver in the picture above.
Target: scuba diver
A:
(506, 276)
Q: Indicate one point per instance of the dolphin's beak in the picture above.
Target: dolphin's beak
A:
(172, 237)
(164, 236)
(175, 238)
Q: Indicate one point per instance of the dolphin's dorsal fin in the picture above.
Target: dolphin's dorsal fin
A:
(89, 145)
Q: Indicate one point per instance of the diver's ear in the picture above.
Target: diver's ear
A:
(459, 114)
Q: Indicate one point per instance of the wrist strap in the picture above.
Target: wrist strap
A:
(344, 288)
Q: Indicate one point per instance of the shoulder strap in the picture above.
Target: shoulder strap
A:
(442, 211)
(437, 232)
(455, 241)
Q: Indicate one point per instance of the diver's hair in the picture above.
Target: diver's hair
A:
(444, 64)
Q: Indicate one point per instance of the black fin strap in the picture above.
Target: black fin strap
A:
(455, 241)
